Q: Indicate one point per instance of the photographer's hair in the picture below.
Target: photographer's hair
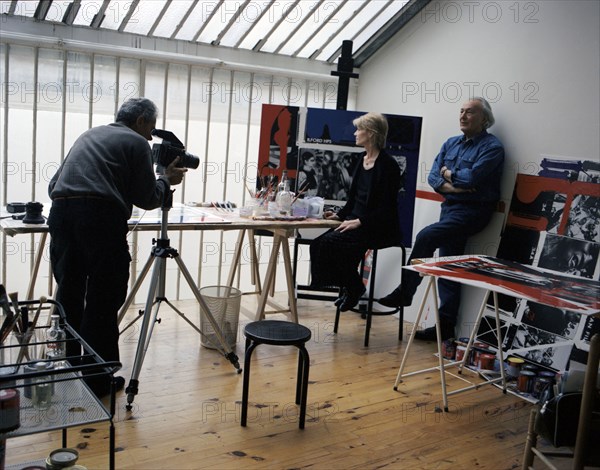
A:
(487, 111)
(133, 108)
(375, 123)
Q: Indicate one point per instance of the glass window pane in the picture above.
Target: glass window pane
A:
(172, 18)
(375, 23)
(265, 24)
(87, 11)
(156, 73)
(49, 115)
(25, 8)
(77, 99)
(129, 80)
(201, 15)
(56, 11)
(104, 90)
(330, 29)
(292, 20)
(21, 95)
(324, 11)
(356, 23)
(243, 23)
(117, 11)
(143, 22)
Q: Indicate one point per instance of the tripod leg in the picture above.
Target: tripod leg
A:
(136, 287)
(227, 352)
(145, 332)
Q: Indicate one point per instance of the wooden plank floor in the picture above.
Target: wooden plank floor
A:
(187, 412)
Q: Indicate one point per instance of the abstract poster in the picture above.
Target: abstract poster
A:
(278, 149)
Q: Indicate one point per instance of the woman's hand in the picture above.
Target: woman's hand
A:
(330, 215)
(348, 225)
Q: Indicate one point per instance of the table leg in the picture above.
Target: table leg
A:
(269, 277)
(36, 265)
(499, 336)
(287, 262)
(438, 330)
(255, 272)
(413, 332)
(236, 257)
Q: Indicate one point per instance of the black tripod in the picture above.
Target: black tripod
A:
(156, 295)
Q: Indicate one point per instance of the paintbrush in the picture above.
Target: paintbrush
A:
(29, 332)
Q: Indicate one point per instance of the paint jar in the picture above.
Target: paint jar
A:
(478, 349)
(540, 385)
(9, 410)
(448, 349)
(513, 366)
(486, 361)
(460, 352)
(551, 376)
(525, 381)
(62, 458)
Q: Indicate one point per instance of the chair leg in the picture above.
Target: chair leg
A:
(337, 315)
(304, 393)
(531, 442)
(370, 298)
(401, 323)
(246, 382)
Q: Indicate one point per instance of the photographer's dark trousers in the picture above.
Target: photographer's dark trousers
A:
(334, 259)
(458, 222)
(90, 261)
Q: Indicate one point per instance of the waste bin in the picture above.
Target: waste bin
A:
(224, 305)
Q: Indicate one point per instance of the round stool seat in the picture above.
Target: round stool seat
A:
(277, 332)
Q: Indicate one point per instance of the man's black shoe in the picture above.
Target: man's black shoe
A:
(351, 299)
(397, 298)
(429, 334)
(101, 385)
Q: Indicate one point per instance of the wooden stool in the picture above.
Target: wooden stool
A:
(278, 333)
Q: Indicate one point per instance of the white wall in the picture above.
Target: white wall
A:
(536, 62)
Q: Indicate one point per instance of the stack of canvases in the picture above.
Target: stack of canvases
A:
(554, 224)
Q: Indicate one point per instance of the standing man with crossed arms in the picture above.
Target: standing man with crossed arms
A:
(467, 172)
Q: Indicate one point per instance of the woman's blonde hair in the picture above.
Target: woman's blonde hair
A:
(375, 123)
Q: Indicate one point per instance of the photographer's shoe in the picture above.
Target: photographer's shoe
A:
(101, 385)
(397, 298)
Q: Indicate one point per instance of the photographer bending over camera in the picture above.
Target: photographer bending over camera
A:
(107, 171)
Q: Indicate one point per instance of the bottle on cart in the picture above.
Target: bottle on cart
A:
(42, 389)
(56, 346)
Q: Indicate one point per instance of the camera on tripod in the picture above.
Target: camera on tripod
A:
(169, 149)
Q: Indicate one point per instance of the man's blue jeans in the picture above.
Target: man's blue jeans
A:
(450, 234)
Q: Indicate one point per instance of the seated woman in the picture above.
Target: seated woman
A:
(369, 218)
